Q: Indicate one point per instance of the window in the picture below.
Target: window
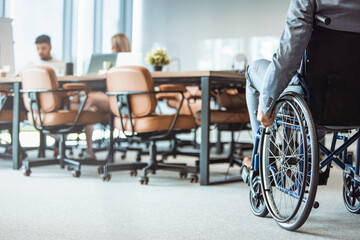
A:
(27, 26)
(111, 20)
(83, 32)
(219, 54)
(263, 47)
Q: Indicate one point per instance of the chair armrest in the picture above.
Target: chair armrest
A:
(172, 87)
(169, 87)
(76, 87)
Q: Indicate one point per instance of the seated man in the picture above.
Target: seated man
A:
(43, 46)
(267, 80)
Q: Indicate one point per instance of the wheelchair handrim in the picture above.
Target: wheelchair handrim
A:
(301, 195)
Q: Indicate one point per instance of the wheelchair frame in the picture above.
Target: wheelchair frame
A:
(260, 206)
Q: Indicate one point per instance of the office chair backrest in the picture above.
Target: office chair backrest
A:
(42, 77)
(132, 79)
(333, 76)
(231, 99)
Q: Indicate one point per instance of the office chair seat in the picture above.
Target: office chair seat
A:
(6, 115)
(219, 116)
(64, 117)
(156, 123)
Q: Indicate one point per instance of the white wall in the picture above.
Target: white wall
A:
(208, 33)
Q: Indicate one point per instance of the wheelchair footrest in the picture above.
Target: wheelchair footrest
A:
(324, 176)
(245, 174)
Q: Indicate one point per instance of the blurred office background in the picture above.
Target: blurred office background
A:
(201, 34)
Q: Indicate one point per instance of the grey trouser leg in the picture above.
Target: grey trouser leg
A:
(254, 78)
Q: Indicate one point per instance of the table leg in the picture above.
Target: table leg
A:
(16, 127)
(42, 145)
(205, 133)
(110, 157)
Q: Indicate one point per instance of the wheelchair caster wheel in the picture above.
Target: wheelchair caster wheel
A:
(351, 195)
(194, 179)
(100, 170)
(76, 174)
(183, 175)
(257, 201)
(316, 205)
(106, 177)
(123, 157)
(144, 181)
(133, 173)
(27, 172)
(70, 168)
(138, 158)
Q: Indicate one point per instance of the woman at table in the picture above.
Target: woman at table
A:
(98, 101)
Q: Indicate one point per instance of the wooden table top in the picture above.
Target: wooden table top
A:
(160, 74)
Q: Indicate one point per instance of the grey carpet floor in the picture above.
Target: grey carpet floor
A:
(50, 204)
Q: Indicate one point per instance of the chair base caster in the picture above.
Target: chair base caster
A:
(27, 172)
(183, 175)
(76, 174)
(194, 179)
(106, 177)
(144, 180)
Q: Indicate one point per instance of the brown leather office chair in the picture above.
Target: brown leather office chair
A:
(190, 105)
(232, 116)
(133, 102)
(43, 99)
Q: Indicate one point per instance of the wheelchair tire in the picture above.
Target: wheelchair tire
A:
(351, 195)
(256, 197)
(289, 164)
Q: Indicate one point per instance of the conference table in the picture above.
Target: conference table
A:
(206, 80)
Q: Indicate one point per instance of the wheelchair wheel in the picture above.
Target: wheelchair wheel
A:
(289, 164)
(351, 194)
(257, 202)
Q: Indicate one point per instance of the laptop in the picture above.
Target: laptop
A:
(129, 59)
(97, 60)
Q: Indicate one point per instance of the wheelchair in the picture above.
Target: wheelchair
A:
(286, 168)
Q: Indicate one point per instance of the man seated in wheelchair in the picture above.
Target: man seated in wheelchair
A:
(267, 80)
(292, 97)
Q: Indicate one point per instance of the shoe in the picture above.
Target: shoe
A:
(247, 162)
(244, 170)
(89, 155)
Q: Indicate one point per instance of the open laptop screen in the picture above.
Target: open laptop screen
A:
(97, 60)
(129, 59)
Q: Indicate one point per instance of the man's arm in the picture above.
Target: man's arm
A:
(286, 61)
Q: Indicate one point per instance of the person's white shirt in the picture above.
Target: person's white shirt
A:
(58, 66)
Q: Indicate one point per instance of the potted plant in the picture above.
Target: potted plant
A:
(158, 58)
